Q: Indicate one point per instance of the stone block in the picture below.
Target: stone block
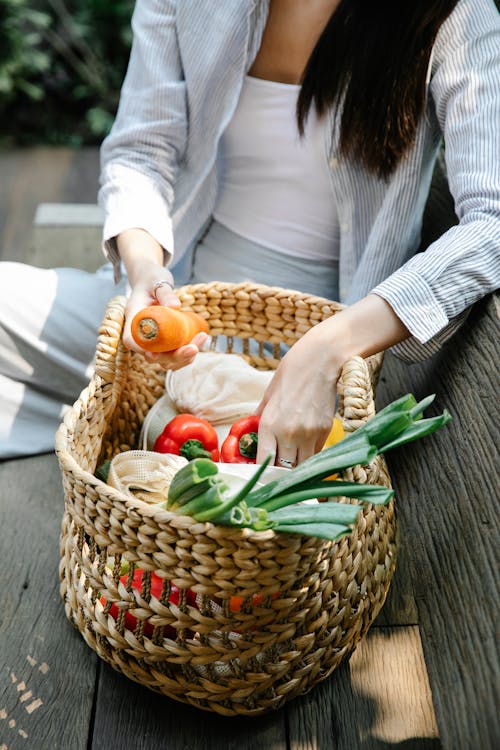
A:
(67, 234)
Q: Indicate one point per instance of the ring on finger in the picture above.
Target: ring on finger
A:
(158, 284)
(286, 463)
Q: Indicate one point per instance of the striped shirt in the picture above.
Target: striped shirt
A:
(185, 74)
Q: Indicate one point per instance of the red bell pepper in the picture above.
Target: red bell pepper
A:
(188, 436)
(156, 591)
(240, 446)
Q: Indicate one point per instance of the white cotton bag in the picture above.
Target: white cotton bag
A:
(217, 387)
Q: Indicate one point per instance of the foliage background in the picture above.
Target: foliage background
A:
(62, 63)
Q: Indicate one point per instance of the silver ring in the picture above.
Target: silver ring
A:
(286, 463)
(158, 284)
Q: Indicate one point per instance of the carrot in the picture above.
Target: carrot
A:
(163, 329)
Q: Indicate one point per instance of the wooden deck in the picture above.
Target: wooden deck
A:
(427, 675)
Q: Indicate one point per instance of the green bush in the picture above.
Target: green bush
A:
(62, 63)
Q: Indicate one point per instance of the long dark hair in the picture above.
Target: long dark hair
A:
(371, 63)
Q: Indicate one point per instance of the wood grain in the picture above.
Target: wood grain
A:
(400, 607)
(47, 672)
(130, 717)
(380, 699)
(40, 175)
(447, 487)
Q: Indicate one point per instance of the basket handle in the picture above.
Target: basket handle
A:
(355, 388)
(109, 339)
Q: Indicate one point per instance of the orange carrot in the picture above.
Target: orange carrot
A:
(163, 329)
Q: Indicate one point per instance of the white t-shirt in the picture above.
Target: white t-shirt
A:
(274, 186)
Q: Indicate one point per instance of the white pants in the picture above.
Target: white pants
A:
(49, 321)
(48, 331)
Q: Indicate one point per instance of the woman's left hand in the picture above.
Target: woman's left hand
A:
(142, 295)
(298, 407)
(151, 282)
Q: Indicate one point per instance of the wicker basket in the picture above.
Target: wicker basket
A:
(316, 599)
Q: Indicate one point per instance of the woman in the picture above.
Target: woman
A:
(205, 153)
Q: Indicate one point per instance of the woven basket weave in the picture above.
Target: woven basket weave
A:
(316, 598)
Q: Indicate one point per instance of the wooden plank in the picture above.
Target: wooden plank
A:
(81, 182)
(38, 175)
(47, 672)
(131, 717)
(447, 487)
(389, 668)
(28, 178)
(379, 699)
(399, 607)
(439, 215)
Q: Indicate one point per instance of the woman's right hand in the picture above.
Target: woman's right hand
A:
(143, 258)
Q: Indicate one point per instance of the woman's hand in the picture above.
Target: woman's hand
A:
(298, 407)
(143, 259)
(142, 295)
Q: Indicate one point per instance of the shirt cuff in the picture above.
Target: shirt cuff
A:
(132, 200)
(414, 302)
(412, 351)
(161, 231)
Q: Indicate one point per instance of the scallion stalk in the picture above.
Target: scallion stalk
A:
(340, 513)
(200, 491)
(419, 429)
(330, 531)
(228, 502)
(370, 493)
(317, 467)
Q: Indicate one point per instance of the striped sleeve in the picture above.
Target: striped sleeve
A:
(140, 157)
(430, 292)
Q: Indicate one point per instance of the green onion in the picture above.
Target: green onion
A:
(370, 493)
(329, 461)
(338, 516)
(343, 513)
(200, 491)
(420, 429)
(328, 531)
(398, 423)
(196, 473)
(211, 513)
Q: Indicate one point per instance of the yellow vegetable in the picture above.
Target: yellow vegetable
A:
(335, 435)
